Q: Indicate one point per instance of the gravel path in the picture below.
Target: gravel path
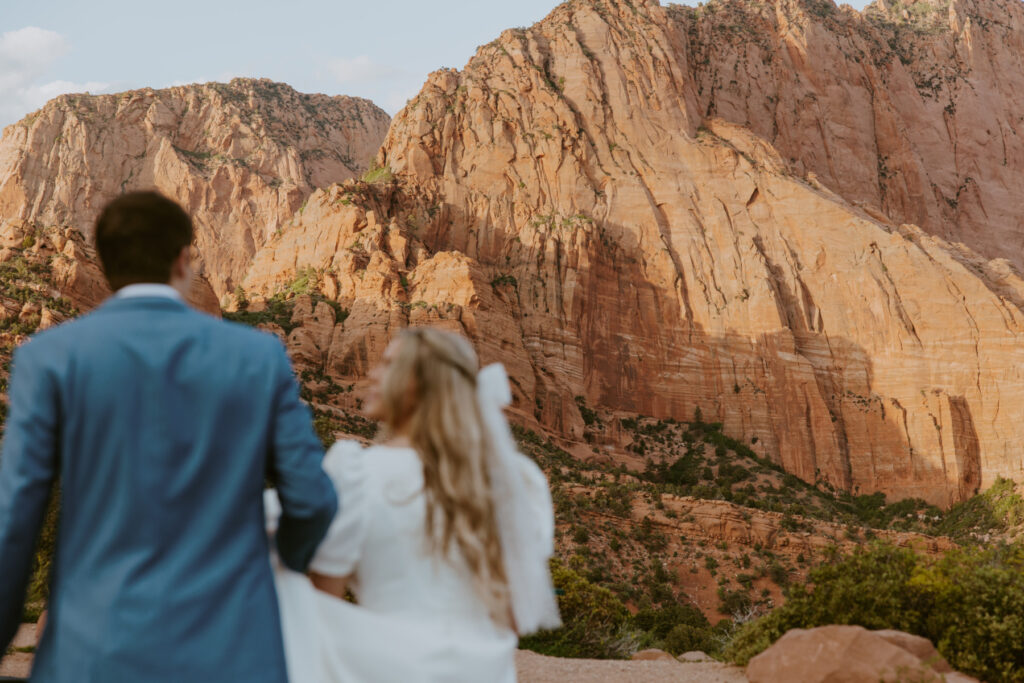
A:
(534, 668)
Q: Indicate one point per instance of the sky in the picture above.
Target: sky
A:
(378, 49)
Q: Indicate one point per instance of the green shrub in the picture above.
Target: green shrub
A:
(659, 622)
(590, 417)
(687, 638)
(733, 601)
(325, 428)
(305, 280)
(997, 509)
(677, 628)
(378, 174)
(595, 622)
(502, 280)
(969, 603)
(279, 309)
(241, 300)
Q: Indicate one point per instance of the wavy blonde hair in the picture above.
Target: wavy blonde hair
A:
(428, 392)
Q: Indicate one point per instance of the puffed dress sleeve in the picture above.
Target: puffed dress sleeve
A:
(339, 553)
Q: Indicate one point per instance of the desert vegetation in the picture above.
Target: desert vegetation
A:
(622, 571)
(968, 602)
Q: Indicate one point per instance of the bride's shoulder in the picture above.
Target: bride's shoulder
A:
(345, 459)
(345, 448)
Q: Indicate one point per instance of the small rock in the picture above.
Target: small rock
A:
(29, 310)
(695, 656)
(50, 318)
(652, 655)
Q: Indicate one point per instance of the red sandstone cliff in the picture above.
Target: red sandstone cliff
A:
(241, 157)
(568, 202)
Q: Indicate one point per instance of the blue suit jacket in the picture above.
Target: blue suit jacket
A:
(160, 423)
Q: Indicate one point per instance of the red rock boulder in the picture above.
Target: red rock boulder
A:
(850, 654)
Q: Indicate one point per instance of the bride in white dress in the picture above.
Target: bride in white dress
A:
(442, 536)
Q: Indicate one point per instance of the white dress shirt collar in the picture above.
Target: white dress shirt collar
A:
(148, 289)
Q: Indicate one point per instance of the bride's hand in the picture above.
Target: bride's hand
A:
(334, 585)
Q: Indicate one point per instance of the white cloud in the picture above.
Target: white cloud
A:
(26, 55)
(31, 48)
(362, 69)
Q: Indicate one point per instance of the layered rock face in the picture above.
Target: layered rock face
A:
(911, 108)
(567, 201)
(241, 157)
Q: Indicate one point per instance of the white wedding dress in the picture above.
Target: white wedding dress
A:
(418, 617)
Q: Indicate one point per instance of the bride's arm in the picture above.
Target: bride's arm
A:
(335, 585)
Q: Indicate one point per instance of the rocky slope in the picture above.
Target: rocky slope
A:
(241, 157)
(570, 203)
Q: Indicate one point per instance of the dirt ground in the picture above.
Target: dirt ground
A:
(20, 663)
(534, 668)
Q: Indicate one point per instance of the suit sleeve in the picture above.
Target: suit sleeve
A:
(28, 467)
(308, 499)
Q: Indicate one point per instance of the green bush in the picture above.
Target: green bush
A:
(595, 622)
(997, 509)
(969, 603)
(378, 174)
(733, 601)
(305, 280)
(686, 638)
(241, 299)
(279, 309)
(658, 623)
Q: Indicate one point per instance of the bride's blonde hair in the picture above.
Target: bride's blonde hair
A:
(429, 392)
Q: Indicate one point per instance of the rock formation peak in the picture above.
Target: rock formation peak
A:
(241, 156)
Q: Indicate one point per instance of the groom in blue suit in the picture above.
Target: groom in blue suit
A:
(160, 424)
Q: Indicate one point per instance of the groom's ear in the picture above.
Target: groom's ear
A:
(182, 266)
(181, 272)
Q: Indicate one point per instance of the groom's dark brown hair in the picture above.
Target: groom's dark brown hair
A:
(139, 235)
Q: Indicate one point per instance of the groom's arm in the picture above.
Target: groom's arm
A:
(308, 500)
(27, 471)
